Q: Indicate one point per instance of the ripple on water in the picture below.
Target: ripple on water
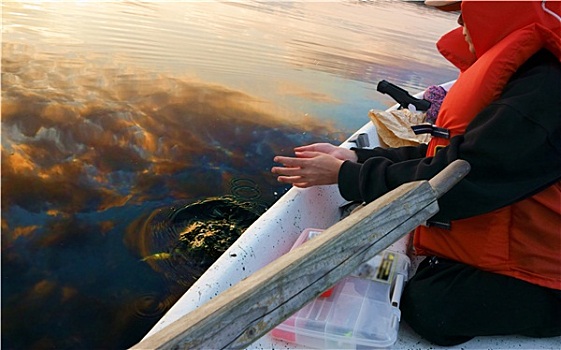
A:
(182, 242)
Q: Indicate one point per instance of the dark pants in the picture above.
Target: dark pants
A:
(449, 303)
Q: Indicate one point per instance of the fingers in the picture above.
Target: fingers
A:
(289, 161)
(292, 171)
(307, 169)
(298, 166)
(296, 181)
(316, 147)
(286, 171)
(305, 148)
(306, 154)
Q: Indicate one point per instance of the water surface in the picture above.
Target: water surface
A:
(115, 112)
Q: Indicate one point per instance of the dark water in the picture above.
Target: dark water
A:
(115, 112)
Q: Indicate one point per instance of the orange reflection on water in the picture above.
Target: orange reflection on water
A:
(17, 159)
(42, 289)
(68, 293)
(21, 231)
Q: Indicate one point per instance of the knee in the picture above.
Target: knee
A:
(433, 319)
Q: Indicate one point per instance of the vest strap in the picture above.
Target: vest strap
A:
(439, 224)
(431, 129)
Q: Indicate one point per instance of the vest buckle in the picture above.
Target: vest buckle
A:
(431, 129)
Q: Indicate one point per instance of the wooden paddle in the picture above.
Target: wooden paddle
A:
(249, 309)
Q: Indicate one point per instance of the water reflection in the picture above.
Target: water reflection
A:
(114, 111)
(82, 155)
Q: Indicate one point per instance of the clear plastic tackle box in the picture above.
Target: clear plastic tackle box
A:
(357, 313)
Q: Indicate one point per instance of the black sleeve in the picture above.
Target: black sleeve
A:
(513, 146)
(399, 154)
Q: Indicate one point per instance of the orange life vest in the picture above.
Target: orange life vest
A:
(522, 240)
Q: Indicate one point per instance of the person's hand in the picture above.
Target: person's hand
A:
(308, 169)
(327, 148)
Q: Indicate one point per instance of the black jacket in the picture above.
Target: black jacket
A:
(513, 146)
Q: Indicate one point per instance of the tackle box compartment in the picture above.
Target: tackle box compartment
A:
(359, 312)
